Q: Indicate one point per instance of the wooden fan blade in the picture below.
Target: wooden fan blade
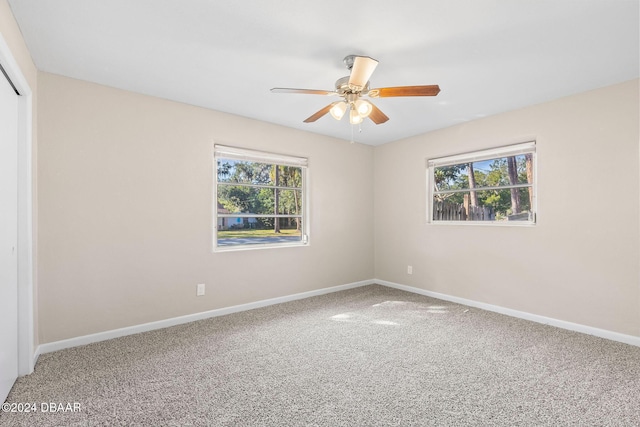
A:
(386, 92)
(362, 69)
(377, 116)
(315, 116)
(303, 91)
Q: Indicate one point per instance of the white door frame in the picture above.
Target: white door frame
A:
(26, 356)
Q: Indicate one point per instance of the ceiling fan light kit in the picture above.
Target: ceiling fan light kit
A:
(354, 117)
(356, 85)
(338, 110)
(363, 107)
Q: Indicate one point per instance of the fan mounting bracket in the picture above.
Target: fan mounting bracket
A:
(349, 60)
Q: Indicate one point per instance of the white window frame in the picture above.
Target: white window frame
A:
(493, 153)
(234, 153)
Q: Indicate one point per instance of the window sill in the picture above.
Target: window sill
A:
(238, 248)
(485, 223)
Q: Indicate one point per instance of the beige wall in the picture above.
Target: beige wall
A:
(13, 37)
(126, 211)
(580, 263)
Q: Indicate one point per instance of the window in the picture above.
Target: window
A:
(260, 199)
(491, 186)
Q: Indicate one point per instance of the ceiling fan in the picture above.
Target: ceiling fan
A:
(353, 87)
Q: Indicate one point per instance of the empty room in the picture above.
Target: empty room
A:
(341, 213)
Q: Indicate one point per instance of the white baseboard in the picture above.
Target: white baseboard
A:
(36, 355)
(602, 333)
(116, 333)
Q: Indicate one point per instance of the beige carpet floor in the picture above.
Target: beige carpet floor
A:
(371, 356)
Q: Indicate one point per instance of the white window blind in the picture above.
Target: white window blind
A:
(477, 156)
(235, 153)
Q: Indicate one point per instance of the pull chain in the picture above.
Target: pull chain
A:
(359, 131)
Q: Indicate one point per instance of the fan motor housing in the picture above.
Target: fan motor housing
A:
(342, 86)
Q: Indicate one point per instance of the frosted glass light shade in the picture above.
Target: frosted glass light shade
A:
(354, 117)
(364, 108)
(338, 110)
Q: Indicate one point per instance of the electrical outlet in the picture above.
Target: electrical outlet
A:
(200, 289)
(409, 269)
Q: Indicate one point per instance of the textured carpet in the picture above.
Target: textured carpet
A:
(371, 356)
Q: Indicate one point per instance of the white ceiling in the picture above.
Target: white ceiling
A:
(488, 56)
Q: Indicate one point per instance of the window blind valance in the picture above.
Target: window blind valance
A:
(223, 151)
(478, 156)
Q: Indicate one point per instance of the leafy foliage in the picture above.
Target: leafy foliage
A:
(488, 174)
(253, 188)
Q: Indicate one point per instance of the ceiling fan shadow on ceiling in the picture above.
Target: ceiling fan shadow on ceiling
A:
(353, 87)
